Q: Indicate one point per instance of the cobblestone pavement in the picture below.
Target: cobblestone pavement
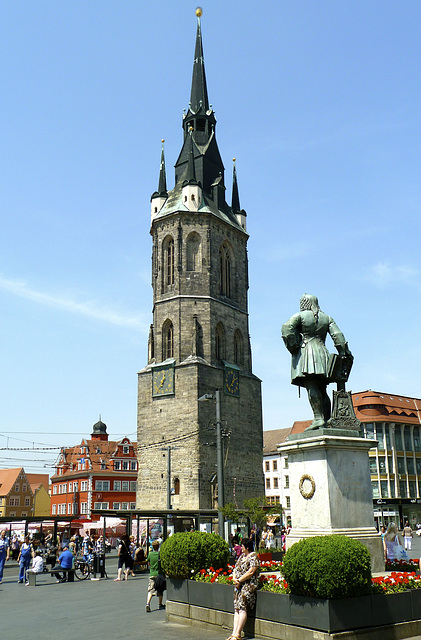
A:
(92, 610)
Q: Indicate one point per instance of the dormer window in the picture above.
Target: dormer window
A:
(126, 449)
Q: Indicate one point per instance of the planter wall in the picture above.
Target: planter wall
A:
(330, 616)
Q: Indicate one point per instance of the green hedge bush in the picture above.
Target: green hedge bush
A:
(184, 554)
(328, 567)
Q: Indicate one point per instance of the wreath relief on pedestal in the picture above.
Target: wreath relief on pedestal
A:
(307, 486)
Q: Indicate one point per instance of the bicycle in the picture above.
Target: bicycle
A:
(83, 568)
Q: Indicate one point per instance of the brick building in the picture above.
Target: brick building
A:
(96, 474)
(199, 339)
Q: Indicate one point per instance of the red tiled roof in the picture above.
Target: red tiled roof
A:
(371, 406)
(8, 478)
(272, 438)
(99, 452)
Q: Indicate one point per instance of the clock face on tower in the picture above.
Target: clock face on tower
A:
(163, 381)
(231, 382)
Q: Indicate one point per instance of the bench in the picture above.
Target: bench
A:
(32, 578)
(69, 574)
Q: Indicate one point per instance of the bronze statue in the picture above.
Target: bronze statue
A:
(312, 366)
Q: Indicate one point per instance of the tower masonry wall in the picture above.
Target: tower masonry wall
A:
(188, 426)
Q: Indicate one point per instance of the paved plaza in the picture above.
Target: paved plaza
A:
(95, 610)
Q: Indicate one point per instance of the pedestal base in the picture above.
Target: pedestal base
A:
(331, 493)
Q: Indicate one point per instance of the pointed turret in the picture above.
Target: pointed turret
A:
(239, 213)
(159, 197)
(192, 189)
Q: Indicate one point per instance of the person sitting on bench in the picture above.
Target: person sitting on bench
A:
(65, 561)
(37, 565)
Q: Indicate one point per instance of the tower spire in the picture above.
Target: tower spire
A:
(199, 92)
(162, 185)
(235, 202)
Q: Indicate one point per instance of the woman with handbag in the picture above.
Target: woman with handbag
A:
(393, 549)
(245, 575)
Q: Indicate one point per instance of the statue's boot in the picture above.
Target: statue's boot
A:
(316, 402)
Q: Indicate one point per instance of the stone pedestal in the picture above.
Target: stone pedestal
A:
(330, 484)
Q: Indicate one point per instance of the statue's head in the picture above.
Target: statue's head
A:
(309, 303)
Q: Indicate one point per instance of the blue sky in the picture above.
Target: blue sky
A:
(320, 104)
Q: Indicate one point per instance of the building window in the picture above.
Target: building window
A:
(407, 438)
(101, 505)
(116, 465)
(267, 483)
(286, 463)
(125, 485)
(133, 466)
(275, 483)
(288, 501)
(275, 465)
(116, 505)
(373, 465)
(382, 464)
(102, 485)
(54, 509)
(27, 502)
(193, 251)
(267, 467)
(225, 268)
(126, 449)
(176, 486)
(24, 488)
(412, 489)
(398, 439)
(84, 507)
(54, 489)
(402, 488)
(401, 465)
(117, 485)
(286, 482)
(17, 488)
(220, 341)
(375, 490)
(133, 484)
(169, 261)
(410, 466)
(167, 340)
(84, 485)
(125, 506)
(14, 502)
(417, 442)
(125, 465)
(133, 505)
(238, 348)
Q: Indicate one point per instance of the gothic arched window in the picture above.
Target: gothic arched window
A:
(168, 261)
(220, 341)
(238, 347)
(167, 340)
(176, 486)
(225, 269)
(194, 252)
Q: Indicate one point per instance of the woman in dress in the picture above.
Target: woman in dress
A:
(245, 575)
(391, 542)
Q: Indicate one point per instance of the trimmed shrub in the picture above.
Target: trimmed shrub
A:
(184, 554)
(328, 567)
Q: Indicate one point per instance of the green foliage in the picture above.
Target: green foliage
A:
(230, 512)
(328, 567)
(184, 554)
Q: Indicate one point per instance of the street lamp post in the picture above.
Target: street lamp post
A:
(219, 456)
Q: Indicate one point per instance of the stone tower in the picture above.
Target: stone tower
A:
(199, 339)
